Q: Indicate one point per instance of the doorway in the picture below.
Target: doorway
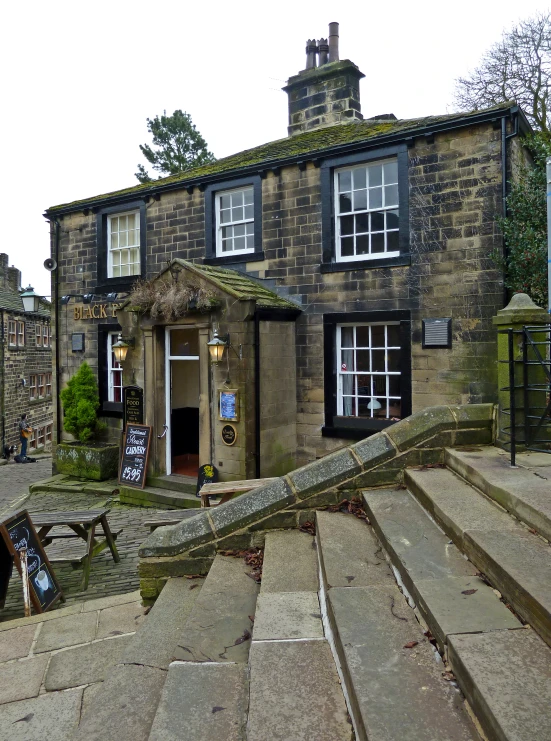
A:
(182, 412)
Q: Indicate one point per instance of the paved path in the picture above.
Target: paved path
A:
(107, 578)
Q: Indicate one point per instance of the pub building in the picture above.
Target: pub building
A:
(277, 303)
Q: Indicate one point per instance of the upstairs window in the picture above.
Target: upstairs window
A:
(367, 211)
(41, 385)
(12, 333)
(46, 334)
(49, 433)
(123, 245)
(32, 387)
(48, 384)
(38, 335)
(235, 222)
(20, 334)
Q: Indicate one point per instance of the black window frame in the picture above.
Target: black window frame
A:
(329, 262)
(108, 408)
(120, 284)
(211, 191)
(357, 428)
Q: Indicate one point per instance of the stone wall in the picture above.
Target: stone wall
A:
(20, 363)
(454, 187)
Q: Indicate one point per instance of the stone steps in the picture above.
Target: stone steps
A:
(158, 498)
(126, 702)
(524, 491)
(294, 685)
(393, 679)
(515, 561)
(444, 586)
(174, 482)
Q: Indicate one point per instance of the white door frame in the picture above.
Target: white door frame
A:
(168, 386)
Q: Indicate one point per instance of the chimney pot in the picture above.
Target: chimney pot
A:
(323, 47)
(311, 51)
(333, 42)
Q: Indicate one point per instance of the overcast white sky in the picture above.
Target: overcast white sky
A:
(80, 79)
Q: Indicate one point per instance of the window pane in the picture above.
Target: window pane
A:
(393, 335)
(360, 200)
(391, 195)
(249, 212)
(362, 336)
(347, 225)
(239, 243)
(375, 198)
(378, 242)
(377, 221)
(248, 194)
(394, 385)
(375, 175)
(393, 242)
(393, 359)
(345, 181)
(225, 201)
(362, 360)
(237, 214)
(226, 245)
(250, 241)
(114, 241)
(378, 336)
(345, 203)
(237, 198)
(362, 223)
(116, 271)
(362, 244)
(359, 179)
(239, 230)
(123, 223)
(123, 239)
(391, 172)
(347, 246)
(347, 336)
(392, 220)
(224, 216)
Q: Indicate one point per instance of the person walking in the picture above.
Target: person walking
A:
(25, 431)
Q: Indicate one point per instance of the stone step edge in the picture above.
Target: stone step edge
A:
(524, 512)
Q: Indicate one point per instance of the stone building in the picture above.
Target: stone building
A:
(350, 263)
(25, 363)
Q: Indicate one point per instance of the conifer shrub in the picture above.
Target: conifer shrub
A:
(80, 401)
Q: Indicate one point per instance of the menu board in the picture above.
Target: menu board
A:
(18, 532)
(207, 474)
(229, 404)
(135, 454)
(132, 405)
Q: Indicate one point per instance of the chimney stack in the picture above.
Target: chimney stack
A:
(327, 92)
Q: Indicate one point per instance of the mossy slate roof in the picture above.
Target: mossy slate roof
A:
(239, 285)
(308, 144)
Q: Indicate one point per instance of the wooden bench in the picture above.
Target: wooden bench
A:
(85, 524)
(227, 489)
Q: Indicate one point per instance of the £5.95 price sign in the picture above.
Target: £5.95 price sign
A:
(135, 454)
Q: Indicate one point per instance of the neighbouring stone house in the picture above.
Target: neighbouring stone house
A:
(350, 263)
(25, 363)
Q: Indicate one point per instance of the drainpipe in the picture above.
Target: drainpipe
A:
(504, 139)
(257, 393)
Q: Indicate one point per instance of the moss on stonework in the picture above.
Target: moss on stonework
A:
(308, 143)
(87, 462)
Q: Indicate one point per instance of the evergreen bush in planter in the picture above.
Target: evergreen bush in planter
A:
(86, 457)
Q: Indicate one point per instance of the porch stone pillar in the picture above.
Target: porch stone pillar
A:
(204, 398)
(520, 312)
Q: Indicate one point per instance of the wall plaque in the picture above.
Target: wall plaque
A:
(135, 453)
(132, 405)
(16, 533)
(229, 434)
(229, 404)
(77, 342)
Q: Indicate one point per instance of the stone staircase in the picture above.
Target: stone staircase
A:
(375, 632)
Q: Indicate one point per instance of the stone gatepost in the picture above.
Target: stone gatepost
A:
(520, 312)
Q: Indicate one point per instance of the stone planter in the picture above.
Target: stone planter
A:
(96, 461)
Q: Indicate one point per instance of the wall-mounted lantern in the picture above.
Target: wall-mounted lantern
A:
(31, 301)
(217, 346)
(120, 348)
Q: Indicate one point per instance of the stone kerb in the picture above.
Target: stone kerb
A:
(190, 546)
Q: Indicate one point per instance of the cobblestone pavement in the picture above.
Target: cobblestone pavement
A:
(106, 577)
(15, 479)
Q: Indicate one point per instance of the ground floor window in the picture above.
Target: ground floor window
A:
(114, 371)
(368, 371)
(367, 368)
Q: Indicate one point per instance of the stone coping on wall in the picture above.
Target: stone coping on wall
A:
(343, 469)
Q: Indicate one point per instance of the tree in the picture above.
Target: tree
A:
(177, 146)
(80, 401)
(525, 227)
(516, 68)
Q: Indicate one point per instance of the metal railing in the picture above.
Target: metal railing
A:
(529, 389)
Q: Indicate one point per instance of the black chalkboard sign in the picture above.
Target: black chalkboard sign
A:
(135, 454)
(18, 532)
(207, 474)
(132, 405)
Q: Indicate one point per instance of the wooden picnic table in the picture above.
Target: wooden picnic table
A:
(84, 524)
(227, 489)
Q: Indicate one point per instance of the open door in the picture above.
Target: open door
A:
(182, 398)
